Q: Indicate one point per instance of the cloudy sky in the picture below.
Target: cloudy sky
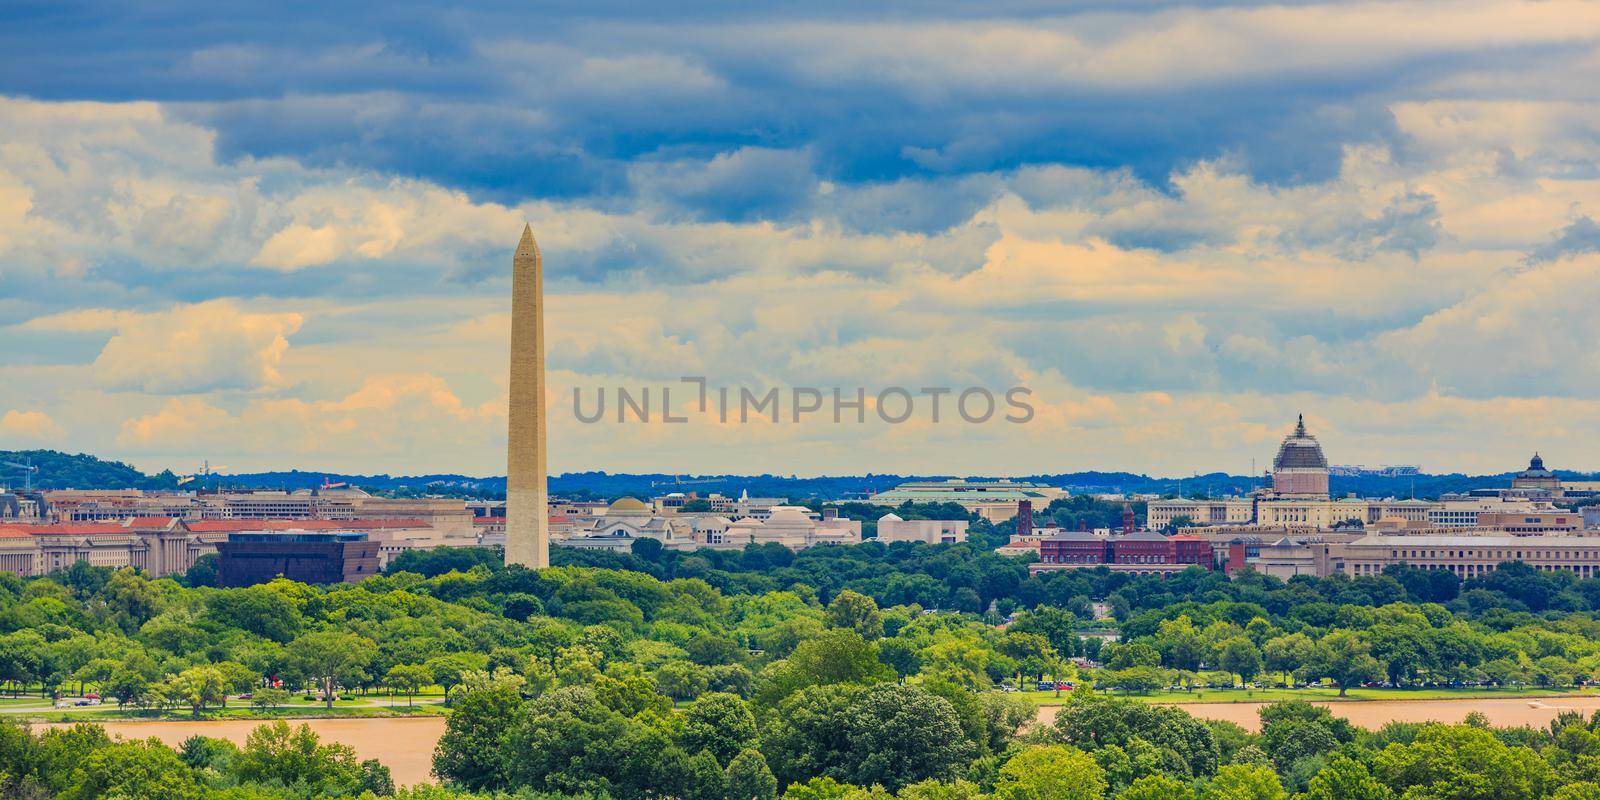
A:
(270, 237)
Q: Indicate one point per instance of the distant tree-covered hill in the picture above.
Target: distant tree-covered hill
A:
(53, 469)
(58, 470)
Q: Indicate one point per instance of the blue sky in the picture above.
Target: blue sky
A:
(277, 235)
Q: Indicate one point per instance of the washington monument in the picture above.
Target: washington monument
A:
(527, 500)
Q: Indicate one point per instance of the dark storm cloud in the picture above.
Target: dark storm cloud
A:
(615, 104)
(1582, 236)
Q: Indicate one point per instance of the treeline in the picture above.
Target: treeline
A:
(1514, 626)
(846, 734)
(61, 470)
(861, 738)
(277, 762)
(53, 469)
(809, 675)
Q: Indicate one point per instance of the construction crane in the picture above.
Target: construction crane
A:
(27, 472)
(205, 472)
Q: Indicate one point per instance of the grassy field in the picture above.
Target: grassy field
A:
(33, 708)
(1319, 694)
(111, 712)
(23, 702)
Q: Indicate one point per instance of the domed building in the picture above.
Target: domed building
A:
(627, 520)
(1297, 501)
(792, 527)
(627, 507)
(1535, 476)
(1300, 467)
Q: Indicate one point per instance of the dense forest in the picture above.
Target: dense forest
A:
(840, 672)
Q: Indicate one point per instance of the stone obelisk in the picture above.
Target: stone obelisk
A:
(527, 502)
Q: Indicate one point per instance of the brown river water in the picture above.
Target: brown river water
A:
(406, 744)
(1505, 712)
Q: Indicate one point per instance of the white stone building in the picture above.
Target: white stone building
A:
(891, 528)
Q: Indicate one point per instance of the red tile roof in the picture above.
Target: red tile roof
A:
(150, 522)
(74, 529)
(241, 525)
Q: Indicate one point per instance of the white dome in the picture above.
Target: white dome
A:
(788, 516)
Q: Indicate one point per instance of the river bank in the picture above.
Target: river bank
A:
(1509, 712)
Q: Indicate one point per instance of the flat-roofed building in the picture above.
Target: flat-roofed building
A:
(995, 501)
(246, 559)
(1464, 512)
(1138, 552)
(18, 552)
(260, 505)
(163, 546)
(891, 528)
(1470, 556)
(1283, 558)
(158, 545)
(73, 505)
(1074, 548)
(1223, 511)
(1532, 523)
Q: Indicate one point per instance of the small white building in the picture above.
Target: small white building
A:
(891, 528)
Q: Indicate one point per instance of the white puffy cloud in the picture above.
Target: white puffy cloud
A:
(391, 421)
(1163, 327)
(217, 344)
(1169, 49)
(30, 426)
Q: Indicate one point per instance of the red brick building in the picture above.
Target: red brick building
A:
(1139, 552)
(1074, 547)
(1192, 550)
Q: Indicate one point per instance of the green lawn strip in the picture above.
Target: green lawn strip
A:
(104, 713)
(1318, 694)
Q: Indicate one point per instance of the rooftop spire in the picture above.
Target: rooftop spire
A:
(527, 247)
(1300, 426)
